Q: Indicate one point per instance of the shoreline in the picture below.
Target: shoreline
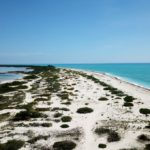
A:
(112, 76)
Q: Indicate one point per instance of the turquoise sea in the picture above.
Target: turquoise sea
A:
(138, 73)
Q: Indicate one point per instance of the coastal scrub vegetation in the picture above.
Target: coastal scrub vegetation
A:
(64, 126)
(84, 110)
(103, 99)
(28, 113)
(143, 138)
(127, 104)
(64, 145)
(145, 111)
(129, 99)
(10, 87)
(66, 119)
(12, 145)
(113, 136)
(102, 146)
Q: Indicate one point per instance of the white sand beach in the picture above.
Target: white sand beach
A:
(106, 122)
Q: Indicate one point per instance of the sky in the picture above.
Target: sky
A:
(74, 31)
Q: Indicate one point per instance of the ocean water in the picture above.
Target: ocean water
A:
(135, 73)
(10, 76)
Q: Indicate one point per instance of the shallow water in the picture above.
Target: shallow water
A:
(10, 76)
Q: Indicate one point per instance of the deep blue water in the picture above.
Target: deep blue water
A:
(135, 73)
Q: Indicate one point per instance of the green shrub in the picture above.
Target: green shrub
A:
(57, 115)
(30, 77)
(101, 131)
(64, 145)
(128, 105)
(42, 109)
(84, 110)
(26, 115)
(64, 126)
(129, 99)
(147, 147)
(102, 146)
(113, 137)
(103, 99)
(12, 145)
(37, 138)
(66, 119)
(66, 103)
(143, 138)
(46, 124)
(145, 111)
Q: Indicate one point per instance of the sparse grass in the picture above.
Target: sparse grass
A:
(113, 136)
(66, 119)
(102, 146)
(145, 111)
(4, 116)
(84, 110)
(12, 145)
(37, 138)
(64, 145)
(103, 99)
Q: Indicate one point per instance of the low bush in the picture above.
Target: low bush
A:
(147, 147)
(12, 145)
(37, 138)
(113, 136)
(143, 138)
(145, 111)
(102, 146)
(84, 110)
(30, 77)
(129, 99)
(26, 115)
(66, 119)
(57, 115)
(103, 99)
(64, 145)
(42, 109)
(101, 131)
(64, 126)
(128, 105)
